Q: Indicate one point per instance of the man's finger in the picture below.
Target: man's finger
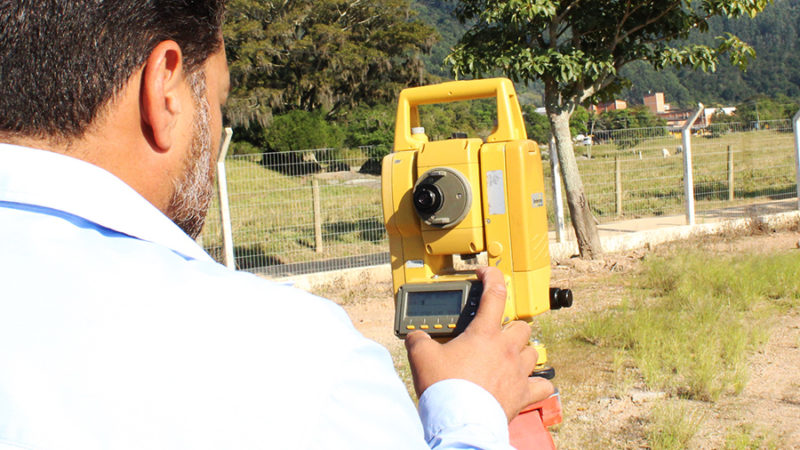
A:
(519, 332)
(528, 359)
(493, 301)
(539, 389)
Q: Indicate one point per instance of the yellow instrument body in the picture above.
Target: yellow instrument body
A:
(505, 215)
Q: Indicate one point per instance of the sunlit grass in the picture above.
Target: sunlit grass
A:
(672, 425)
(696, 317)
(748, 437)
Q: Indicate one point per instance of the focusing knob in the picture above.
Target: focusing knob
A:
(427, 198)
(560, 298)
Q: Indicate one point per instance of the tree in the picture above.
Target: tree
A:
(577, 48)
(302, 130)
(761, 108)
(371, 126)
(630, 118)
(319, 55)
(538, 127)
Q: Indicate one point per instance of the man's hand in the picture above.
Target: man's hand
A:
(496, 358)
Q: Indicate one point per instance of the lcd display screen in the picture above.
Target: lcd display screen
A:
(434, 303)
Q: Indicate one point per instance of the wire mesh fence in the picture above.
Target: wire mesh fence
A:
(735, 164)
(318, 210)
(302, 211)
(633, 173)
(640, 172)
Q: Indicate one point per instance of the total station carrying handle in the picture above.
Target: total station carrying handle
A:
(510, 125)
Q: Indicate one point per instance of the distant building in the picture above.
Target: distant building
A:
(676, 118)
(610, 106)
(655, 103)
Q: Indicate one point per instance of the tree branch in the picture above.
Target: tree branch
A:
(647, 23)
(564, 13)
(628, 13)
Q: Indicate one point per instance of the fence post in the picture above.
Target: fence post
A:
(618, 183)
(686, 135)
(730, 174)
(558, 202)
(224, 206)
(796, 126)
(317, 215)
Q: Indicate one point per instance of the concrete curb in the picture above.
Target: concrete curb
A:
(644, 238)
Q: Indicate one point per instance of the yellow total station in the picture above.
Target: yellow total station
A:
(464, 196)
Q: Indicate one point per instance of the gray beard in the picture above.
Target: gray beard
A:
(192, 190)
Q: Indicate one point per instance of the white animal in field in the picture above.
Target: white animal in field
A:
(664, 152)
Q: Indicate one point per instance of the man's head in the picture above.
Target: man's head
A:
(133, 86)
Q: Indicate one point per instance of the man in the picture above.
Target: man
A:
(118, 331)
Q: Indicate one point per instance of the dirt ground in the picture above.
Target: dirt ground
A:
(600, 408)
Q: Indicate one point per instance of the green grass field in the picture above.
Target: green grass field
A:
(272, 216)
(273, 213)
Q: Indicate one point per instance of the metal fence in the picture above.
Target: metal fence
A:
(640, 173)
(302, 211)
(318, 210)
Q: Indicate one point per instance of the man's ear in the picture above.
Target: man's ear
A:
(163, 79)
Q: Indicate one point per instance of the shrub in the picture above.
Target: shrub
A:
(302, 130)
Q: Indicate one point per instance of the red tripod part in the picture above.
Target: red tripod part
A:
(528, 431)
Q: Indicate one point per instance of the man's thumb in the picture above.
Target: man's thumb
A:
(415, 338)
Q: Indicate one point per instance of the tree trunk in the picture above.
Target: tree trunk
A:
(582, 220)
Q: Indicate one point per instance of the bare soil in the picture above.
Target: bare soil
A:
(608, 408)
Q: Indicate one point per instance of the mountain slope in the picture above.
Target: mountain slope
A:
(775, 35)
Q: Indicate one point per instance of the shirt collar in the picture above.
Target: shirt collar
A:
(48, 179)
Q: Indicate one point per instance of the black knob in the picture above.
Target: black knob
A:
(560, 298)
(427, 198)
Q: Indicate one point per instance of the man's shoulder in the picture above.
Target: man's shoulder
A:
(82, 260)
(240, 286)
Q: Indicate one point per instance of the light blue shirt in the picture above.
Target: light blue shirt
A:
(117, 331)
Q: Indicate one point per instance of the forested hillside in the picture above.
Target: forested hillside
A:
(337, 67)
(439, 14)
(774, 34)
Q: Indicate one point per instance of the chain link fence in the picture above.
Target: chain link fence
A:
(318, 210)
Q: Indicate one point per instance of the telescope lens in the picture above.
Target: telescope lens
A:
(427, 198)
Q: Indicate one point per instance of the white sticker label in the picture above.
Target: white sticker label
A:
(537, 199)
(496, 192)
(414, 264)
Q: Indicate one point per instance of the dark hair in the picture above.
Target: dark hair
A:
(61, 61)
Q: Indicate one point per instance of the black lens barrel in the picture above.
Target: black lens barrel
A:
(427, 198)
